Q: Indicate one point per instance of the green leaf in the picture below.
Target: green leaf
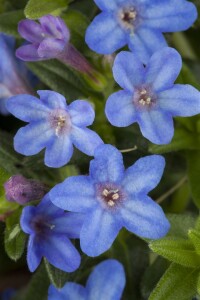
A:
(4, 176)
(179, 251)
(15, 238)
(9, 22)
(193, 161)
(56, 276)
(59, 78)
(37, 8)
(178, 283)
(182, 140)
(180, 225)
(194, 235)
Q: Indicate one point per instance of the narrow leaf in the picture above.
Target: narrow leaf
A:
(194, 235)
(56, 276)
(193, 161)
(9, 22)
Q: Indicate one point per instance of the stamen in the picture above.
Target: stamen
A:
(105, 193)
(111, 203)
(115, 196)
(60, 124)
(143, 92)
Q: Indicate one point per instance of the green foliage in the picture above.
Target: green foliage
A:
(9, 22)
(38, 8)
(177, 283)
(180, 251)
(193, 160)
(15, 239)
(57, 277)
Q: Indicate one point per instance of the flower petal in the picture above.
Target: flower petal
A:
(82, 113)
(34, 254)
(85, 140)
(170, 15)
(181, 100)
(107, 166)
(107, 281)
(58, 152)
(120, 110)
(144, 175)
(156, 126)
(128, 71)
(50, 47)
(27, 108)
(163, 69)
(76, 194)
(61, 253)
(30, 31)
(55, 26)
(144, 217)
(28, 53)
(99, 231)
(104, 35)
(32, 138)
(28, 213)
(52, 100)
(70, 291)
(145, 42)
(106, 5)
(69, 224)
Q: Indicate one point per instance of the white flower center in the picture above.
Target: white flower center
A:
(60, 121)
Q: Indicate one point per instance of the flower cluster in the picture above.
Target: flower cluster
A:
(109, 197)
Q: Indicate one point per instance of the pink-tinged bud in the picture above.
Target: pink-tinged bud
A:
(22, 190)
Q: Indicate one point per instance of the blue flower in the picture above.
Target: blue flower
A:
(138, 23)
(150, 96)
(54, 125)
(111, 198)
(13, 73)
(50, 229)
(106, 282)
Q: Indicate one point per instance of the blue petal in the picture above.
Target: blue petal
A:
(104, 35)
(99, 231)
(70, 291)
(156, 126)
(82, 113)
(58, 152)
(85, 140)
(34, 254)
(107, 166)
(69, 224)
(145, 42)
(163, 69)
(144, 175)
(32, 138)
(27, 108)
(3, 109)
(61, 253)
(106, 5)
(76, 194)
(170, 15)
(51, 47)
(107, 281)
(120, 109)
(30, 31)
(28, 53)
(52, 100)
(144, 217)
(28, 213)
(128, 71)
(181, 100)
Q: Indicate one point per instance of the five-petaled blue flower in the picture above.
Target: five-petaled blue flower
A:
(111, 197)
(13, 73)
(138, 23)
(106, 282)
(54, 125)
(150, 96)
(50, 229)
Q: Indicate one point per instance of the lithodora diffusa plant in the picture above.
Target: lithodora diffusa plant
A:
(99, 150)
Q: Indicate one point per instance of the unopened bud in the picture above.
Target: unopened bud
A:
(22, 190)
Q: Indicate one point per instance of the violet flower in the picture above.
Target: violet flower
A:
(111, 198)
(138, 23)
(50, 230)
(106, 282)
(14, 76)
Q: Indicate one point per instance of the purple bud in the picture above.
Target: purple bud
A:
(22, 190)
